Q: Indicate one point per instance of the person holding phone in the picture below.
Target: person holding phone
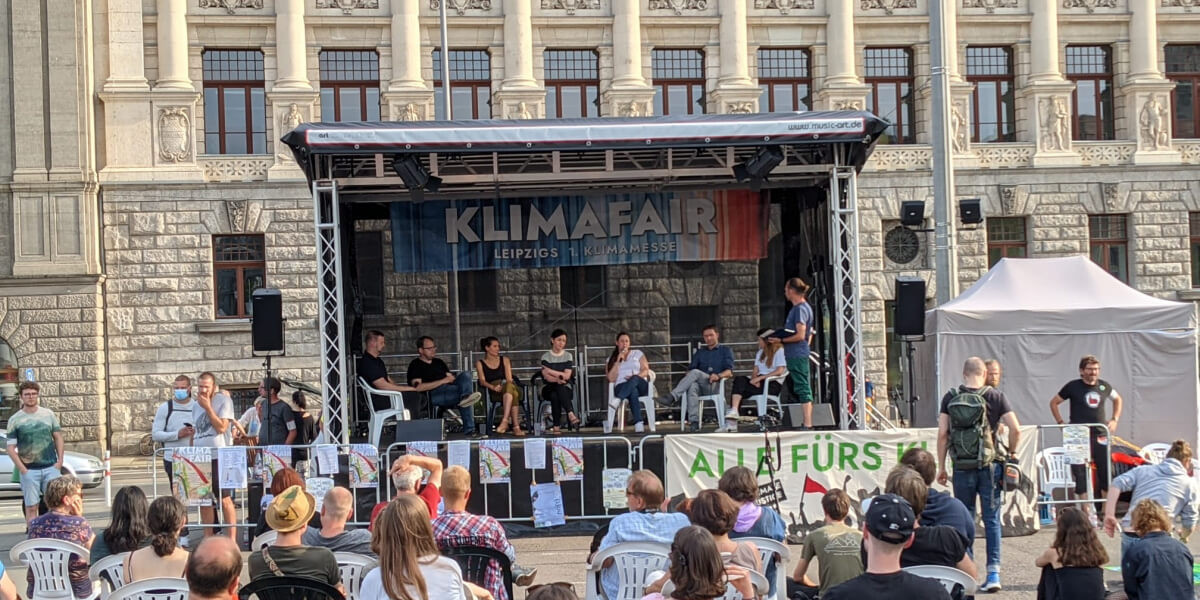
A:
(173, 422)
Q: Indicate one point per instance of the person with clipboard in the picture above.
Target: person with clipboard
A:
(795, 336)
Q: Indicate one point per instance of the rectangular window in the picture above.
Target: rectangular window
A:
(1090, 67)
(889, 72)
(368, 258)
(477, 291)
(1006, 239)
(235, 102)
(785, 78)
(678, 81)
(239, 267)
(1109, 240)
(1194, 226)
(1183, 67)
(572, 83)
(470, 85)
(349, 85)
(993, 109)
(583, 287)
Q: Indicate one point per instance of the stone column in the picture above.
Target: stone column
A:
(1043, 60)
(292, 100)
(843, 89)
(519, 96)
(407, 96)
(173, 47)
(126, 93)
(291, 65)
(173, 99)
(630, 95)
(1147, 114)
(959, 93)
(1044, 106)
(735, 91)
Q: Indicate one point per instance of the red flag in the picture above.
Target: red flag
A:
(813, 487)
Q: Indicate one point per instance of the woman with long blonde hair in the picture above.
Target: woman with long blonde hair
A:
(410, 566)
(769, 362)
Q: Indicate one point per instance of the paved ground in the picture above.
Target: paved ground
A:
(557, 559)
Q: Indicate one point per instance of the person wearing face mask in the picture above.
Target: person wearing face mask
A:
(173, 421)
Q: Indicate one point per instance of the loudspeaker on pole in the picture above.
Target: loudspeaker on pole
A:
(909, 318)
(266, 326)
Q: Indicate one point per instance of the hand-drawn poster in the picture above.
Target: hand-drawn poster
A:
(193, 475)
(364, 469)
(547, 502)
(567, 455)
(614, 482)
(495, 461)
(318, 487)
(1076, 444)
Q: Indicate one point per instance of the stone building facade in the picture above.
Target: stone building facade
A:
(123, 176)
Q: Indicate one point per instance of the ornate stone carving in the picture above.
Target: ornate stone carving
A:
(631, 109)
(1008, 199)
(1092, 5)
(174, 134)
(887, 6)
(1056, 124)
(1106, 153)
(570, 5)
(900, 158)
(1186, 5)
(462, 6)
(410, 112)
(739, 108)
(520, 111)
(237, 168)
(1004, 156)
(1155, 124)
(784, 5)
(960, 132)
(1110, 192)
(989, 5)
(678, 5)
(237, 215)
(287, 122)
(847, 105)
(1190, 152)
(231, 5)
(347, 6)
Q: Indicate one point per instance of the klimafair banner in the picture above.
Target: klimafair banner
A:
(565, 231)
(807, 464)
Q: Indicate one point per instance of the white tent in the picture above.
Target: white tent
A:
(1040, 316)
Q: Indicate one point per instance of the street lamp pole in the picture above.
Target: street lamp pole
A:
(945, 244)
(449, 112)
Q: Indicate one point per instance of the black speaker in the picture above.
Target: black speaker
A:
(909, 319)
(266, 326)
(912, 213)
(970, 211)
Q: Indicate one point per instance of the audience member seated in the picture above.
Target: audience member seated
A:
(931, 545)
(283, 479)
(8, 589)
(753, 520)
(769, 362)
(495, 375)
(127, 530)
(643, 523)
(1156, 566)
(288, 515)
(336, 508)
(407, 473)
(447, 390)
(887, 531)
(716, 512)
(835, 546)
(560, 590)
(373, 371)
(1168, 483)
(164, 557)
(697, 571)
(213, 570)
(410, 566)
(629, 372)
(64, 521)
(558, 367)
(1072, 565)
(940, 508)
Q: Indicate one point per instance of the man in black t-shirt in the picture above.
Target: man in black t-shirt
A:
(1088, 398)
(428, 373)
(887, 531)
(374, 372)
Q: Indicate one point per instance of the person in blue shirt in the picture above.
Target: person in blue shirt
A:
(711, 363)
(795, 346)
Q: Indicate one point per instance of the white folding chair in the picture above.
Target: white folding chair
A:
(352, 568)
(48, 560)
(718, 401)
(616, 406)
(731, 593)
(767, 550)
(1055, 472)
(761, 401)
(1155, 453)
(108, 573)
(633, 561)
(155, 588)
(949, 577)
(380, 417)
(264, 540)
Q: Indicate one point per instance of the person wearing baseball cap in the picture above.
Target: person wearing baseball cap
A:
(289, 514)
(887, 530)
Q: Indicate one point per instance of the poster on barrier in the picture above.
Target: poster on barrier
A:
(274, 460)
(809, 463)
(535, 453)
(318, 487)
(425, 449)
(193, 475)
(495, 461)
(231, 464)
(327, 459)
(363, 472)
(458, 452)
(614, 488)
(547, 502)
(568, 459)
(1076, 444)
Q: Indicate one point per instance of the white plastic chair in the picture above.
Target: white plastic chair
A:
(633, 561)
(718, 401)
(756, 579)
(352, 568)
(1155, 453)
(767, 549)
(1055, 472)
(379, 417)
(108, 573)
(947, 576)
(155, 588)
(764, 399)
(264, 540)
(616, 406)
(48, 560)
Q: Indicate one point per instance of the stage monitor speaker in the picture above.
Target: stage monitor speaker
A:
(909, 319)
(419, 430)
(266, 326)
(822, 415)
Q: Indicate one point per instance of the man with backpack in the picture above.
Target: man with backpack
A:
(967, 424)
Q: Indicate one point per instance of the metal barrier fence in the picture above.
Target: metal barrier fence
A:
(1045, 473)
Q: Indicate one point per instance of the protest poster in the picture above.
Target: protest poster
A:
(567, 456)
(495, 461)
(193, 475)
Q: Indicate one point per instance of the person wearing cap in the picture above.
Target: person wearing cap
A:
(289, 514)
(887, 530)
(939, 545)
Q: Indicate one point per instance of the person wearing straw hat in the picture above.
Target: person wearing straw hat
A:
(289, 514)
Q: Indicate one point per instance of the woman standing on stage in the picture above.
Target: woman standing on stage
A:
(769, 362)
(628, 369)
(495, 375)
(558, 367)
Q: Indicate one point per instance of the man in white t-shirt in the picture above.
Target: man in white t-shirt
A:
(212, 416)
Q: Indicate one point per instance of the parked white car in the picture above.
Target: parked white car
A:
(88, 468)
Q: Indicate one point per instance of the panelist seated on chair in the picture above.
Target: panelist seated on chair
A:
(428, 373)
(289, 514)
(768, 362)
(629, 371)
(711, 363)
(374, 372)
(643, 523)
(558, 368)
(495, 375)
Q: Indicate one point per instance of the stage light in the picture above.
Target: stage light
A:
(414, 175)
(970, 211)
(760, 165)
(912, 213)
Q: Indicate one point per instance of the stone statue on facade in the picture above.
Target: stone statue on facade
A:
(409, 113)
(630, 109)
(1154, 125)
(959, 135)
(740, 108)
(521, 111)
(292, 119)
(1056, 124)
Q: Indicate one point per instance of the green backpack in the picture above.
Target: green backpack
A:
(971, 444)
